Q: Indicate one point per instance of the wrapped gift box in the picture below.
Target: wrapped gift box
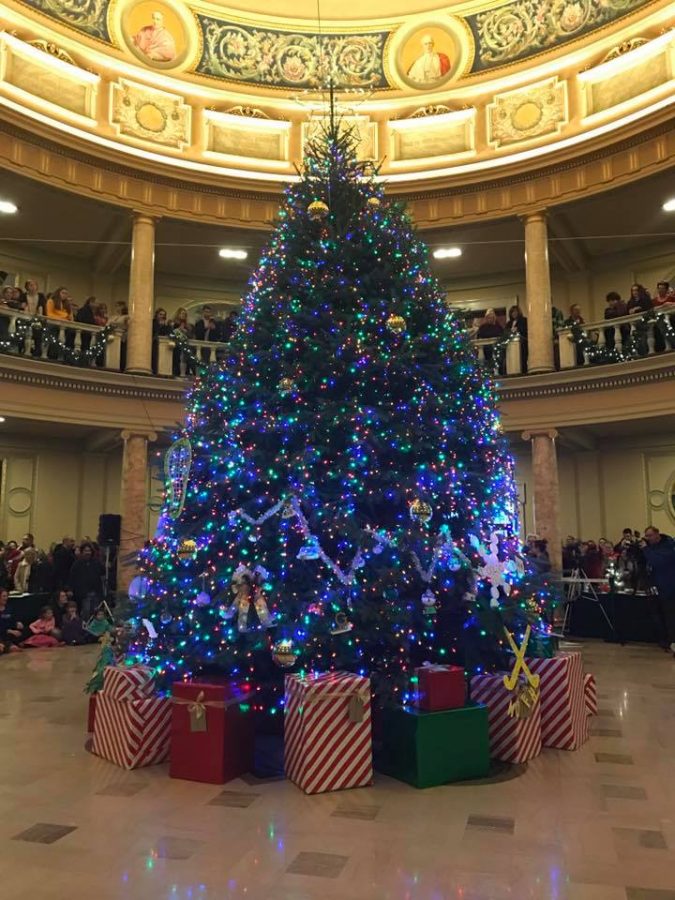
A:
(590, 695)
(513, 738)
(440, 687)
(564, 722)
(132, 733)
(128, 683)
(328, 731)
(430, 748)
(211, 737)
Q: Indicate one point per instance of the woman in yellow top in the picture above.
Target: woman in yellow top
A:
(58, 307)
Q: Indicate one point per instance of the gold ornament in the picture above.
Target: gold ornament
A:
(374, 202)
(317, 210)
(283, 653)
(525, 695)
(421, 511)
(187, 548)
(396, 324)
(286, 385)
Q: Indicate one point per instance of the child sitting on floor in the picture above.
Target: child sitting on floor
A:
(11, 630)
(73, 631)
(99, 624)
(43, 630)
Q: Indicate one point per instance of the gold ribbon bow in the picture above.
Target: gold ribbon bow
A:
(197, 708)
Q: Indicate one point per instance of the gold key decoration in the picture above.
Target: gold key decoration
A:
(525, 695)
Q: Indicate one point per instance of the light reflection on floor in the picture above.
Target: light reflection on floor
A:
(589, 825)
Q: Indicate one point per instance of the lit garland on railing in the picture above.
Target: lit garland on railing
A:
(634, 347)
(25, 327)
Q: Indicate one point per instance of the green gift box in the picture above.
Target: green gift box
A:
(542, 646)
(430, 748)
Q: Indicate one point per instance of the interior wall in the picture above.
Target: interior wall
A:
(52, 488)
(603, 491)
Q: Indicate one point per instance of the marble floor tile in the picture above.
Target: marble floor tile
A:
(175, 848)
(623, 792)
(503, 825)
(619, 759)
(637, 893)
(321, 865)
(236, 799)
(648, 839)
(121, 790)
(44, 833)
(348, 810)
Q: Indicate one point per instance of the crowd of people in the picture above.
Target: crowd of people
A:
(60, 307)
(72, 573)
(492, 327)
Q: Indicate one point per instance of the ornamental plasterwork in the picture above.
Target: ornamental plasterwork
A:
(149, 114)
(364, 131)
(524, 27)
(88, 16)
(537, 110)
(290, 60)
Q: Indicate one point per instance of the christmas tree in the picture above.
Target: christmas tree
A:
(339, 485)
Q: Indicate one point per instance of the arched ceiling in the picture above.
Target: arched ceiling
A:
(339, 11)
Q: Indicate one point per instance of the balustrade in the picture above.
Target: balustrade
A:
(73, 338)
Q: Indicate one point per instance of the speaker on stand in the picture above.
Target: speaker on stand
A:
(109, 532)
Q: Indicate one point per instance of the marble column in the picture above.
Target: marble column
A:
(133, 503)
(546, 500)
(538, 294)
(141, 295)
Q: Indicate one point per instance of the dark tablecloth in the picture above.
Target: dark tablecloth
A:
(26, 607)
(634, 617)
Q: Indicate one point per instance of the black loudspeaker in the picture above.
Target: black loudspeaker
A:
(109, 529)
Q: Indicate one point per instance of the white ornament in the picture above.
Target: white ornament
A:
(500, 573)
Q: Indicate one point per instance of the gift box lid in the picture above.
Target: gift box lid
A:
(190, 690)
(128, 682)
(433, 669)
(316, 683)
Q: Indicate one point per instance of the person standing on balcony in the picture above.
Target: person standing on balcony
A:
(614, 310)
(489, 328)
(58, 308)
(184, 328)
(36, 305)
(663, 298)
(86, 315)
(640, 301)
(160, 328)
(517, 324)
(206, 329)
(659, 552)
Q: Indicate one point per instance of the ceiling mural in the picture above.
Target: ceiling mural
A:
(286, 59)
(523, 28)
(168, 34)
(88, 16)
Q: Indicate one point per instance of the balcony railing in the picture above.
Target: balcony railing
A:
(76, 343)
(56, 340)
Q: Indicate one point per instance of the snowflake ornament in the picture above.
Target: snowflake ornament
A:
(499, 573)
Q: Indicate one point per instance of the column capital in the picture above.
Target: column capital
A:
(538, 215)
(550, 433)
(138, 215)
(146, 434)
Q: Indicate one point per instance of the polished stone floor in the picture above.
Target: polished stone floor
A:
(597, 824)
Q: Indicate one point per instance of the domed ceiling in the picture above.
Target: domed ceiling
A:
(245, 42)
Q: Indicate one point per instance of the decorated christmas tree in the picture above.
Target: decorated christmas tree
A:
(341, 496)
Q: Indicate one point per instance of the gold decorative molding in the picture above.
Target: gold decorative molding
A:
(532, 112)
(625, 47)
(147, 114)
(53, 50)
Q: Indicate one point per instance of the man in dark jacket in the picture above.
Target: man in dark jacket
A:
(63, 559)
(659, 551)
(86, 581)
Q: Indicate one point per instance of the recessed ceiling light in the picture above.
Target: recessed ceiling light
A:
(2, 419)
(6, 206)
(231, 253)
(447, 253)
(669, 205)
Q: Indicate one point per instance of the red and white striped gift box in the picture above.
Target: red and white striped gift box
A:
(132, 733)
(511, 740)
(128, 682)
(324, 748)
(590, 695)
(564, 722)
